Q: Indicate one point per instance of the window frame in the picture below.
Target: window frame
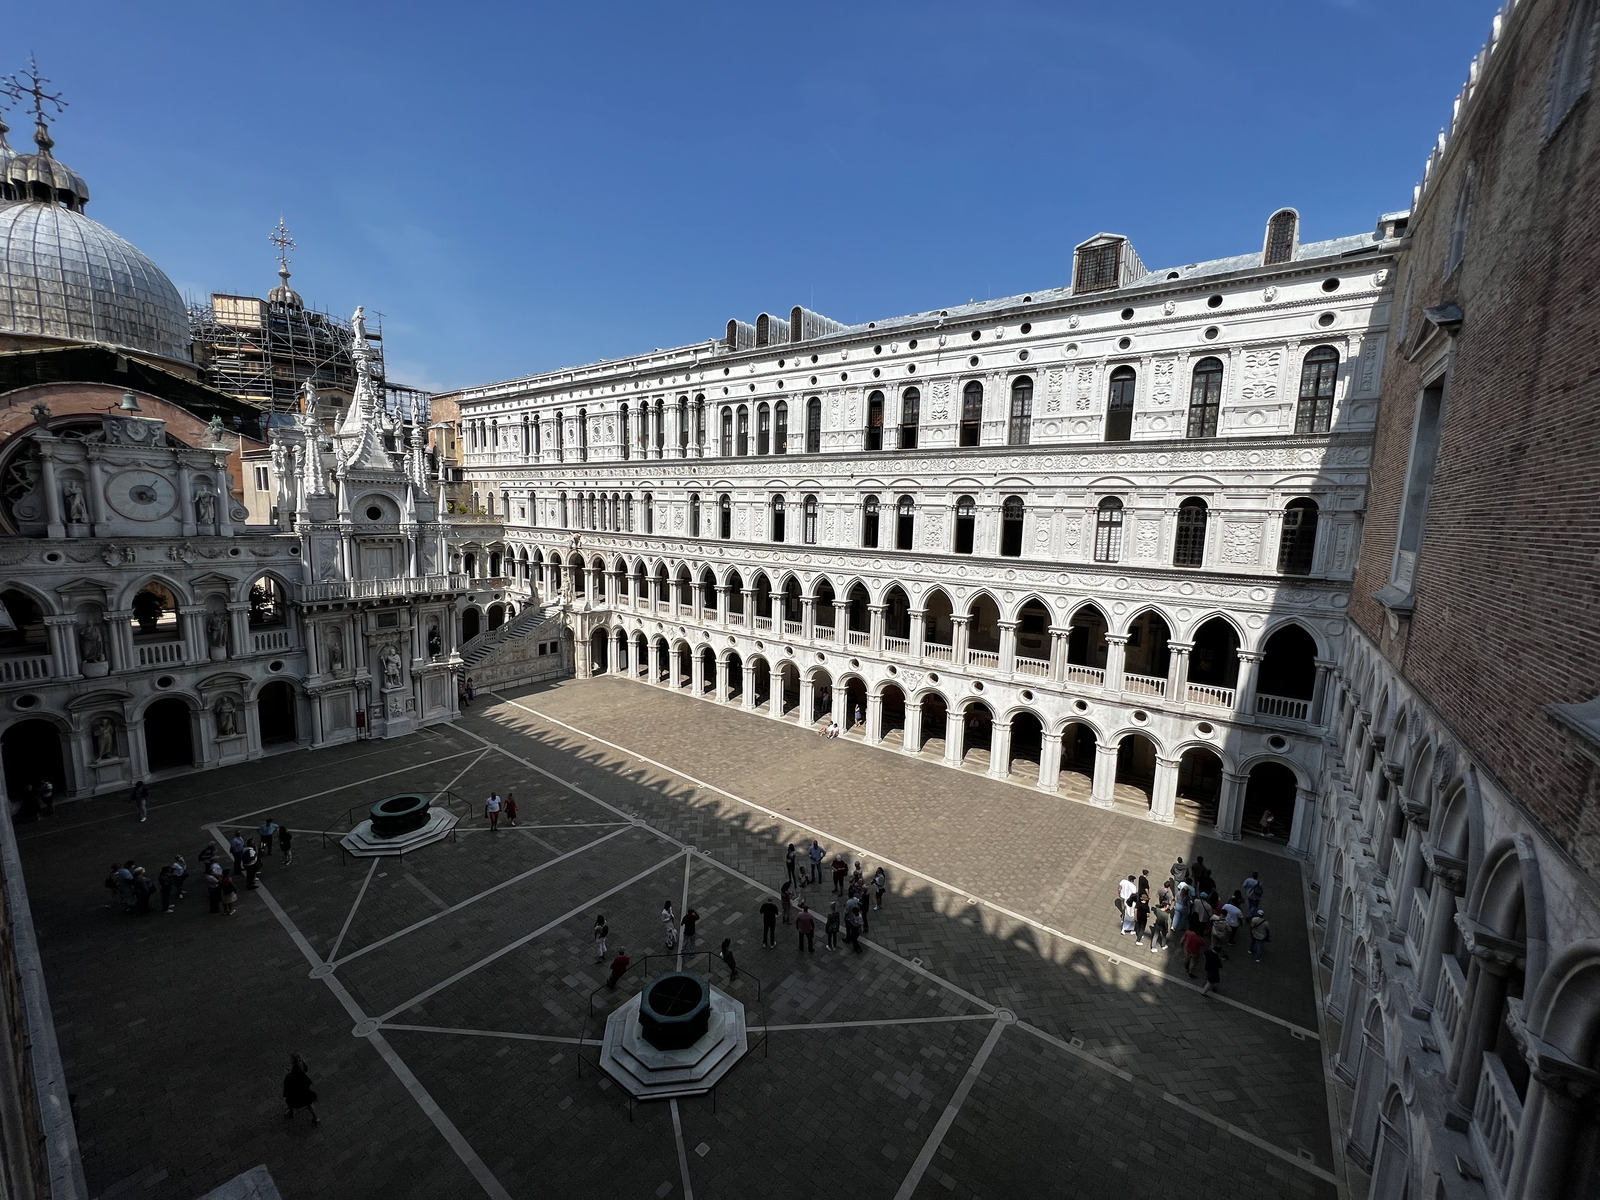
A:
(809, 518)
(1019, 430)
(971, 401)
(913, 397)
(1313, 412)
(1205, 408)
(1108, 526)
(1013, 515)
(1189, 535)
(1297, 541)
(869, 521)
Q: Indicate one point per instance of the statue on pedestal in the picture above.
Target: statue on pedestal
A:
(92, 642)
(217, 631)
(391, 667)
(104, 733)
(227, 717)
(77, 510)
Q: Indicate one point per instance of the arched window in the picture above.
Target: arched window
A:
(811, 520)
(1189, 548)
(875, 421)
(624, 424)
(905, 515)
(694, 514)
(971, 413)
(661, 430)
(1011, 527)
(1314, 414)
(777, 518)
(649, 514)
(1205, 398)
(683, 426)
(813, 425)
(561, 439)
(565, 523)
(1021, 426)
(477, 501)
(910, 417)
(527, 440)
(780, 428)
(1108, 531)
(763, 428)
(1280, 237)
(1297, 544)
(627, 511)
(725, 516)
(644, 431)
(583, 435)
(869, 522)
(616, 511)
(744, 430)
(966, 523)
(700, 423)
(727, 432)
(1119, 408)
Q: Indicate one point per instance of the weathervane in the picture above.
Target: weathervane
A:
(284, 242)
(31, 83)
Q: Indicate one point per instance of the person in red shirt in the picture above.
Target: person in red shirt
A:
(511, 807)
(1193, 947)
(619, 964)
(806, 924)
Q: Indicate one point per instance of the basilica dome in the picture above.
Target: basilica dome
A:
(66, 276)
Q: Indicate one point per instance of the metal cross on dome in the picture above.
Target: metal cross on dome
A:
(281, 238)
(31, 83)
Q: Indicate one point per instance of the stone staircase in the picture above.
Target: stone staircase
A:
(510, 655)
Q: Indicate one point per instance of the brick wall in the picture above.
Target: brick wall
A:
(1507, 614)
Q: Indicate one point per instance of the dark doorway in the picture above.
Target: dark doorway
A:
(275, 712)
(599, 643)
(32, 753)
(1271, 789)
(168, 735)
(471, 623)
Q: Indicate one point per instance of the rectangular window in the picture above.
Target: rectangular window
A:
(910, 418)
(1096, 268)
(1419, 490)
(263, 475)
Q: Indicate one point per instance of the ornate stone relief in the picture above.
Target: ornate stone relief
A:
(1261, 368)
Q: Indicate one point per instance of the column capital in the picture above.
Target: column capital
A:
(1448, 871)
(1180, 647)
(1417, 814)
(1494, 953)
(1116, 639)
(56, 620)
(1170, 763)
(1006, 624)
(1251, 656)
(1049, 737)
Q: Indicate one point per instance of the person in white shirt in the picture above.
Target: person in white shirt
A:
(1125, 891)
(833, 729)
(491, 809)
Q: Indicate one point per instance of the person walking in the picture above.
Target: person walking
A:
(1180, 907)
(670, 924)
(46, 792)
(1254, 892)
(726, 955)
(121, 884)
(1125, 890)
(1130, 909)
(140, 798)
(790, 859)
(832, 927)
(297, 1090)
(852, 923)
(1193, 947)
(690, 920)
(491, 809)
(841, 868)
(1260, 935)
(214, 887)
(601, 932)
(1233, 912)
(164, 881)
(286, 844)
(1161, 919)
(786, 899)
(806, 925)
(816, 854)
(180, 875)
(769, 923)
(252, 865)
(268, 831)
(1141, 915)
(1213, 971)
(619, 964)
(1181, 871)
(1219, 933)
(511, 807)
(1142, 887)
(230, 894)
(880, 884)
(143, 888)
(236, 848)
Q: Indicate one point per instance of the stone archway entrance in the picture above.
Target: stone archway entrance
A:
(31, 751)
(275, 712)
(168, 735)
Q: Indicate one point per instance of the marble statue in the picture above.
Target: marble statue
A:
(92, 642)
(77, 511)
(391, 667)
(104, 733)
(335, 653)
(227, 717)
(217, 631)
(205, 505)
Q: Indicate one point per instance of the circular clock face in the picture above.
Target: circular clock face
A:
(141, 495)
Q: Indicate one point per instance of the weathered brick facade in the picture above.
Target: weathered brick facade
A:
(1507, 588)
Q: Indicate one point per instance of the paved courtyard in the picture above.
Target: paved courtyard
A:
(997, 1039)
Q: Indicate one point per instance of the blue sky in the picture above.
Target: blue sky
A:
(518, 187)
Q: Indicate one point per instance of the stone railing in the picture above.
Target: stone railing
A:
(984, 658)
(1209, 694)
(1282, 706)
(1093, 676)
(792, 628)
(1495, 1118)
(156, 654)
(379, 589)
(1415, 928)
(1448, 1004)
(22, 668)
(858, 637)
(894, 645)
(1143, 685)
(1033, 666)
(937, 652)
(265, 641)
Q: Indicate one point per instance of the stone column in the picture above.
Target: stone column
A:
(1244, 696)
(955, 738)
(749, 595)
(722, 679)
(1008, 647)
(1410, 876)
(748, 699)
(1304, 831)
(119, 640)
(958, 640)
(192, 622)
(625, 658)
(808, 617)
(876, 621)
(841, 704)
(1230, 806)
(1492, 959)
(1105, 775)
(918, 631)
(1000, 749)
(62, 630)
(55, 527)
(94, 455)
(138, 760)
(807, 717)
(1050, 762)
(911, 736)
(1058, 653)
(1164, 791)
(1449, 881)
(1560, 1103)
(774, 691)
(1178, 672)
(873, 733)
(1320, 692)
(186, 498)
(722, 603)
(697, 671)
(1116, 658)
(239, 626)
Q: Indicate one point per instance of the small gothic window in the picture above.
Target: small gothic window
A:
(725, 515)
(875, 421)
(649, 514)
(1021, 428)
(694, 515)
(780, 429)
(1189, 550)
(777, 518)
(1011, 527)
(627, 511)
(623, 421)
(565, 524)
(904, 522)
(1108, 531)
(811, 520)
(1298, 542)
(869, 523)
(727, 433)
(966, 524)
(1119, 408)
(1280, 236)
(744, 431)
(1314, 414)
(683, 426)
(763, 429)
(813, 425)
(971, 413)
(910, 417)
(1205, 398)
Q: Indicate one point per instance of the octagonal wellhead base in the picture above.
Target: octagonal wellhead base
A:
(364, 843)
(652, 1074)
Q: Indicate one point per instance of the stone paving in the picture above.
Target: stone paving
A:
(997, 1038)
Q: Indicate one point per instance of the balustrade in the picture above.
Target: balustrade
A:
(983, 658)
(1093, 676)
(1282, 706)
(372, 589)
(1143, 685)
(764, 624)
(155, 654)
(894, 645)
(1415, 938)
(264, 641)
(25, 667)
(1448, 1005)
(823, 633)
(792, 629)
(1033, 666)
(858, 637)
(1495, 1118)
(1205, 693)
(935, 651)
